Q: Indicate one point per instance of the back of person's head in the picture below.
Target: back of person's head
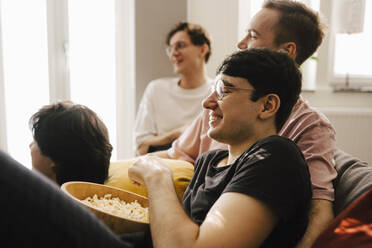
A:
(198, 35)
(269, 72)
(299, 24)
(75, 139)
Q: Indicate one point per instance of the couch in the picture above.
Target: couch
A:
(352, 226)
(354, 178)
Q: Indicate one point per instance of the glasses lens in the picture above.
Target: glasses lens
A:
(219, 89)
(168, 50)
(177, 46)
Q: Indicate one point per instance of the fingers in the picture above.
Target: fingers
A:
(135, 173)
(148, 166)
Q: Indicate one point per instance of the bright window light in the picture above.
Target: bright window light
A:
(353, 51)
(92, 58)
(25, 63)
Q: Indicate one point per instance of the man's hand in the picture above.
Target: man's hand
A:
(148, 168)
(143, 148)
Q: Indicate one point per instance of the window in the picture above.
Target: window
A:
(66, 50)
(92, 58)
(25, 66)
(352, 52)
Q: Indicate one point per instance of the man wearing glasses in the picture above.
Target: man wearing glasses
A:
(291, 27)
(255, 194)
(168, 104)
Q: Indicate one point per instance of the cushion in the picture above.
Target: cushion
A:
(353, 179)
(118, 176)
(351, 228)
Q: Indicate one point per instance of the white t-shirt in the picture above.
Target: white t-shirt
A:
(166, 106)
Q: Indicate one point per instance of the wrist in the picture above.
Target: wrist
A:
(158, 178)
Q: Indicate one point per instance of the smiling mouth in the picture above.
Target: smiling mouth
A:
(215, 117)
(177, 61)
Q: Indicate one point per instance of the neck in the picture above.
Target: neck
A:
(194, 79)
(236, 149)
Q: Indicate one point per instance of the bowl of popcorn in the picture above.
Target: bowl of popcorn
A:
(122, 211)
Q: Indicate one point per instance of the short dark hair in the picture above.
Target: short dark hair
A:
(299, 24)
(75, 139)
(269, 72)
(198, 35)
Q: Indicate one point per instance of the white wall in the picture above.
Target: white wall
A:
(153, 20)
(352, 130)
(220, 19)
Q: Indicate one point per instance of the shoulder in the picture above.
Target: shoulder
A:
(306, 121)
(308, 114)
(278, 144)
(276, 152)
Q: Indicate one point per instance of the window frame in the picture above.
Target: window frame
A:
(328, 59)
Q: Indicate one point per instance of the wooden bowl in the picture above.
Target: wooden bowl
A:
(118, 224)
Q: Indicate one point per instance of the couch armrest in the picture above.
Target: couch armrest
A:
(353, 179)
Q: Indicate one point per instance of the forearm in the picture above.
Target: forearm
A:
(170, 225)
(321, 214)
(165, 138)
(143, 148)
(159, 140)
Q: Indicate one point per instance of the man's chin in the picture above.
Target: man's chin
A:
(214, 133)
(177, 69)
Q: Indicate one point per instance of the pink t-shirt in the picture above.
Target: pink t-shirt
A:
(306, 126)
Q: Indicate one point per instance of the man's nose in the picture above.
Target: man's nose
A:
(210, 102)
(243, 44)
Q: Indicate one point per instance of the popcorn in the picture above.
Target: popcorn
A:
(114, 205)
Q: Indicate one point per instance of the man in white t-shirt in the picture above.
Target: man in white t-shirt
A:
(168, 104)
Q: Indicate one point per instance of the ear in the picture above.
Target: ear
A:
(290, 48)
(270, 106)
(52, 172)
(204, 49)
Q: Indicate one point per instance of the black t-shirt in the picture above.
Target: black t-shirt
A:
(273, 170)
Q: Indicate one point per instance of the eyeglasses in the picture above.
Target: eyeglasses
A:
(220, 89)
(176, 46)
